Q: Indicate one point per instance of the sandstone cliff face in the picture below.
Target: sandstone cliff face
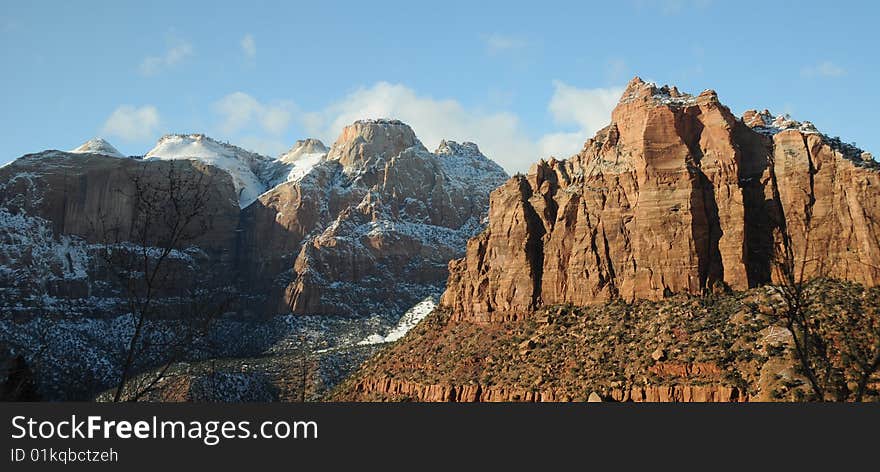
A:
(675, 195)
(59, 211)
(371, 227)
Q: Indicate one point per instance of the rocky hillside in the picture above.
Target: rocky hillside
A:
(685, 348)
(581, 282)
(363, 229)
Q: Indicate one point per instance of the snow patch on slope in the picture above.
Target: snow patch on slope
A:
(31, 255)
(304, 165)
(407, 322)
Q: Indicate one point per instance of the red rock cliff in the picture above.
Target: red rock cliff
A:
(675, 195)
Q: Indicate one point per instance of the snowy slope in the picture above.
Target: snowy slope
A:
(466, 165)
(97, 146)
(245, 167)
(298, 161)
(407, 322)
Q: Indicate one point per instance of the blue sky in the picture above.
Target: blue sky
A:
(522, 80)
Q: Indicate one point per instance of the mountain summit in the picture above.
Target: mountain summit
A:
(97, 146)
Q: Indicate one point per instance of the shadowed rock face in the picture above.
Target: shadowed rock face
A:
(58, 211)
(370, 228)
(675, 195)
(87, 194)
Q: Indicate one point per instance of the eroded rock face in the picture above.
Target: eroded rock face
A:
(675, 195)
(371, 227)
(391, 389)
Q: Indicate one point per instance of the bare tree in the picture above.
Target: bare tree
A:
(169, 315)
(836, 341)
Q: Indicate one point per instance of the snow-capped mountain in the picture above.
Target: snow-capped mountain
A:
(304, 149)
(97, 146)
(252, 174)
(365, 228)
(246, 168)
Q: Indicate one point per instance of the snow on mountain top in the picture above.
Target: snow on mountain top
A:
(198, 145)
(381, 121)
(665, 95)
(765, 123)
(466, 164)
(466, 148)
(244, 166)
(301, 148)
(97, 146)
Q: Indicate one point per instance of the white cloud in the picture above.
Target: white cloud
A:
(132, 124)
(824, 69)
(497, 43)
(499, 134)
(561, 145)
(588, 109)
(249, 46)
(240, 110)
(177, 52)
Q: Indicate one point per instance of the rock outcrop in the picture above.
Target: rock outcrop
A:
(675, 195)
(635, 270)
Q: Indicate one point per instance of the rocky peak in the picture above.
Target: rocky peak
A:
(303, 147)
(644, 93)
(97, 146)
(369, 141)
(660, 127)
(766, 123)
